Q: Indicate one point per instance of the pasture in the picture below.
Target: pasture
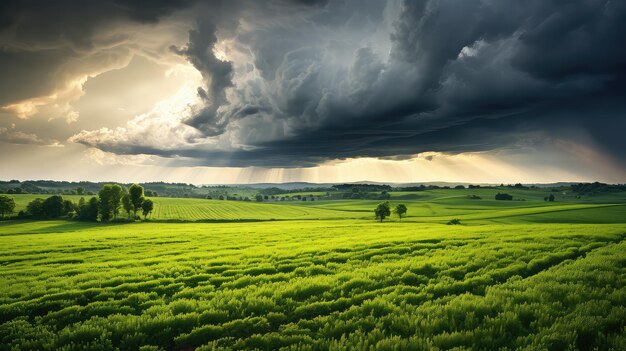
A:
(516, 275)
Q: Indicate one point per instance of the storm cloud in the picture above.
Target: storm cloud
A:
(49, 49)
(296, 83)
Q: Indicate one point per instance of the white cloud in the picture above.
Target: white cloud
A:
(108, 158)
(163, 128)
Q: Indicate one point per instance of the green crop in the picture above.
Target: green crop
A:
(313, 285)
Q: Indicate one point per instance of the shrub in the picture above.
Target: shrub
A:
(503, 196)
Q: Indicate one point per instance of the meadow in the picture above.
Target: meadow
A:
(322, 275)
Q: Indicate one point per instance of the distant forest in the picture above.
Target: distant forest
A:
(350, 190)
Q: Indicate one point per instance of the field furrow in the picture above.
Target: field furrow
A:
(311, 284)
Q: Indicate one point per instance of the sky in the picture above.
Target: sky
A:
(233, 91)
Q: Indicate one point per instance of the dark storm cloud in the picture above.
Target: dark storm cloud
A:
(216, 74)
(45, 43)
(319, 80)
(43, 22)
(462, 76)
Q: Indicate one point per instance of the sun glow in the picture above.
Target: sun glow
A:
(426, 167)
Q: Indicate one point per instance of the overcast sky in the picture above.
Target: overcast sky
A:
(323, 91)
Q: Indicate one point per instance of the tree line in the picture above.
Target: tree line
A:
(112, 199)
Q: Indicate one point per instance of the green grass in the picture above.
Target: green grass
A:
(436, 206)
(184, 209)
(516, 275)
(311, 284)
(200, 209)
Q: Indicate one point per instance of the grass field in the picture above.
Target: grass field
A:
(200, 209)
(517, 275)
(438, 206)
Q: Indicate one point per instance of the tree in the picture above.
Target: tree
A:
(68, 206)
(7, 205)
(110, 200)
(88, 211)
(117, 192)
(35, 208)
(551, 198)
(15, 191)
(400, 210)
(104, 202)
(80, 191)
(382, 210)
(502, 196)
(259, 198)
(147, 206)
(127, 205)
(53, 207)
(136, 197)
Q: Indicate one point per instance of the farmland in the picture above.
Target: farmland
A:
(200, 209)
(427, 206)
(207, 210)
(322, 275)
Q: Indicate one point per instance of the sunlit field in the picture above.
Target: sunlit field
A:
(516, 275)
(312, 175)
(437, 206)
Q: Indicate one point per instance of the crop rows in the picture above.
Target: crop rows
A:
(441, 210)
(312, 285)
(192, 209)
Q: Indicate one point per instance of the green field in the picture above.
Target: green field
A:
(437, 206)
(200, 209)
(517, 275)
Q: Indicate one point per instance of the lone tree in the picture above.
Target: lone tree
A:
(7, 205)
(135, 192)
(400, 210)
(382, 211)
(147, 206)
